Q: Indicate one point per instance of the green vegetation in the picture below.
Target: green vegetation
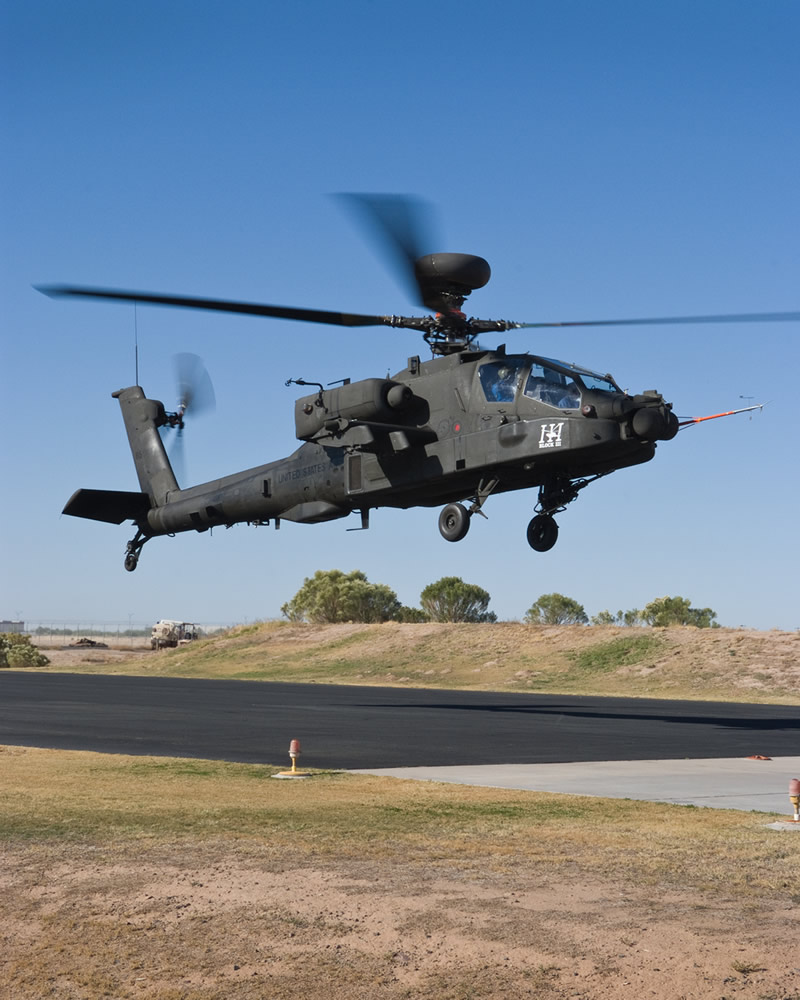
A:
(626, 618)
(608, 656)
(663, 612)
(333, 596)
(667, 611)
(556, 609)
(16, 650)
(452, 600)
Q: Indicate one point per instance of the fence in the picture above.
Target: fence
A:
(127, 634)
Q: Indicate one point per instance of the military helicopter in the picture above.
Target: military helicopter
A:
(454, 430)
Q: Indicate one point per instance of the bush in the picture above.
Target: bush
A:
(667, 611)
(452, 600)
(16, 650)
(333, 596)
(556, 609)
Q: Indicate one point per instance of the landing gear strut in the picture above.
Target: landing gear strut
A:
(455, 517)
(134, 550)
(554, 495)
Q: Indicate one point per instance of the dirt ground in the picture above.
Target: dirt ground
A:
(204, 920)
(243, 919)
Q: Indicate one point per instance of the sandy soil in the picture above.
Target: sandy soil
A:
(222, 922)
(74, 657)
(211, 921)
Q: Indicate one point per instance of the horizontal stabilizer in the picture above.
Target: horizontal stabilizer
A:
(114, 506)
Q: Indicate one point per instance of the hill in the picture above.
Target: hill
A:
(712, 664)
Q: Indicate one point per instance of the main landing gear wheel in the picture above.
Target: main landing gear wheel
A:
(542, 533)
(454, 522)
(131, 562)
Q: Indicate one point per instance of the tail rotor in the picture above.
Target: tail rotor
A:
(196, 395)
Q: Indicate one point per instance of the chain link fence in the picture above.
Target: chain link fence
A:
(53, 633)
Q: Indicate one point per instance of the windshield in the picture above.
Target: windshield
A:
(500, 379)
(552, 387)
(556, 383)
(592, 380)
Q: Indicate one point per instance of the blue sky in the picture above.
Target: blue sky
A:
(609, 159)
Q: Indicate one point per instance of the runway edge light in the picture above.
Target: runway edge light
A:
(794, 798)
(294, 753)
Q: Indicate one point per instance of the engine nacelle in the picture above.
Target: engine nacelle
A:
(371, 399)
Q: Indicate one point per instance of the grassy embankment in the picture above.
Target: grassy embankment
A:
(716, 664)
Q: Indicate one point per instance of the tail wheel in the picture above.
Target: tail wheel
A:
(542, 533)
(454, 522)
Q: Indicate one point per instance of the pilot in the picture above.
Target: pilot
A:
(571, 398)
(505, 385)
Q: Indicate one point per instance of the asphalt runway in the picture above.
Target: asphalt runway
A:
(369, 728)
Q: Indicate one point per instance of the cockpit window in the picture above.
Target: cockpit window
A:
(590, 379)
(554, 388)
(500, 379)
(598, 382)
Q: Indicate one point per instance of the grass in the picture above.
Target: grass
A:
(605, 657)
(48, 796)
(747, 968)
(601, 660)
(173, 879)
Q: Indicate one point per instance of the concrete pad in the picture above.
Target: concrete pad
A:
(724, 783)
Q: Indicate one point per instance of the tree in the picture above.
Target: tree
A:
(556, 609)
(628, 618)
(333, 596)
(17, 650)
(452, 600)
(666, 611)
(411, 615)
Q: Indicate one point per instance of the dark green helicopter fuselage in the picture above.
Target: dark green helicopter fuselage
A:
(457, 427)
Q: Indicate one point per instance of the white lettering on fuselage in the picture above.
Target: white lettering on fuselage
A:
(550, 436)
(301, 473)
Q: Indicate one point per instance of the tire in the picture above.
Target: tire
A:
(454, 522)
(542, 533)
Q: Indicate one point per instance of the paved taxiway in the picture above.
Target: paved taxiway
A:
(728, 783)
(681, 751)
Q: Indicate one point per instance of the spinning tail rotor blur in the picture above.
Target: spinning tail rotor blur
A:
(196, 395)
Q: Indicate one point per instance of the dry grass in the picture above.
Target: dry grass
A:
(167, 878)
(717, 664)
(87, 797)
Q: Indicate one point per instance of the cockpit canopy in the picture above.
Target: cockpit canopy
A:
(556, 383)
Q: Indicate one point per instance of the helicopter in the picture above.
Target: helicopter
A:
(452, 431)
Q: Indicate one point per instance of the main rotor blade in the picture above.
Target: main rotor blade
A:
(400, 225)
(215, 305)
(776, 317)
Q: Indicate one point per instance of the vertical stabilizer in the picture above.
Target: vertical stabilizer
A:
(142, 418)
